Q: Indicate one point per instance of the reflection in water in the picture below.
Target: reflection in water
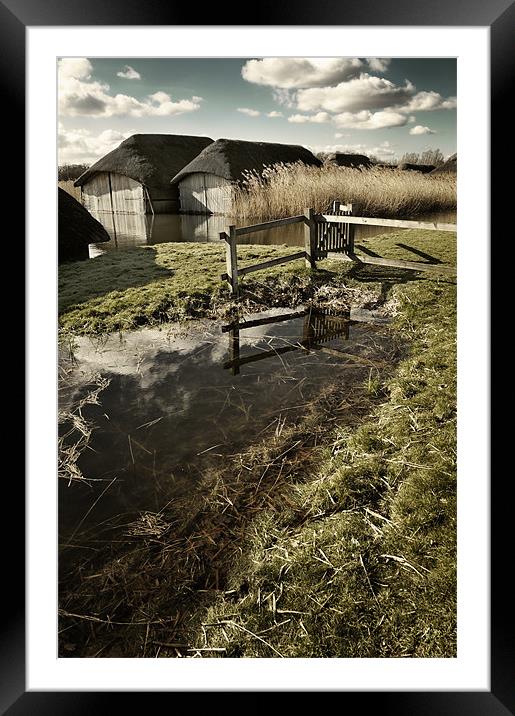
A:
(171, 411)
(129, 230)
(318, 327)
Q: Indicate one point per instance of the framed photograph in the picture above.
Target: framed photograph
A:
(183, 547)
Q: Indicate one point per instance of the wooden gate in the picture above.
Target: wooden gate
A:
(334, 237)
(326, 236)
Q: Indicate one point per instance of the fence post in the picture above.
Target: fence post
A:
(350, 236)
(234, 350)
(352, 229)
(310, 238)
(231, 259)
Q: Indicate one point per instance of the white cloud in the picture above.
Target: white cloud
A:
(363, 92)
(76, 67)
(274, 114)
(318, 118)
(78, 146)
(249, 112)
(342, 90)
(378, 64)
(294, 72)
(80, 94)
(370, 120)
(429, 101)
(381, 151)
(419, 129)
(353, 120)
(129, 73)
(301, 72)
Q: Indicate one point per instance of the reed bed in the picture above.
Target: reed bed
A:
(285, 190)
(70, 189)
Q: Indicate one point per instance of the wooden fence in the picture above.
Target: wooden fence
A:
(325, 236)
(231, 253)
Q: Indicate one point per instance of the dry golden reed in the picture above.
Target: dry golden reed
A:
(286, 190)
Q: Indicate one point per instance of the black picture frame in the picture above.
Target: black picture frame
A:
(499, 16)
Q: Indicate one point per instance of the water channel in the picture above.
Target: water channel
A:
(130, 230)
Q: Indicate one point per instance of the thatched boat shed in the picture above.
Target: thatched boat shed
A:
(76, 229)
(422, 168)
(206, 183)
(135, 177)
(348, 160)
(450, 166)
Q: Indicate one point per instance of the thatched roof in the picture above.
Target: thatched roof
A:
(230, 158)
(76, 227)
(349, 160)
(422, 168)
(450, 166)
(151, 159)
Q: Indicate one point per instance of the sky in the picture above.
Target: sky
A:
(379, 106)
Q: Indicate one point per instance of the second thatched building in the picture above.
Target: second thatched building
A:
(207, 183)
(135, 177)
(349, 160)
(450, 166)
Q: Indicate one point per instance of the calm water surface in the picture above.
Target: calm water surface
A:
(129, 230)
(179, 401)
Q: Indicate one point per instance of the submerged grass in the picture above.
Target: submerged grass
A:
(335, 538)
(168, 282)
(285, 190)
(75, 430)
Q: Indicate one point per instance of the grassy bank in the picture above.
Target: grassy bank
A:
(149, 285)
(287, 190)
(335, 538)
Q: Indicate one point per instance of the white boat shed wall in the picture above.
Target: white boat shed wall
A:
(201, 193)
(109, 192)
